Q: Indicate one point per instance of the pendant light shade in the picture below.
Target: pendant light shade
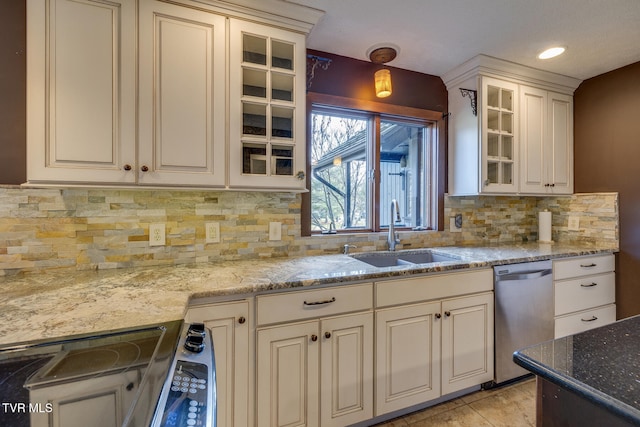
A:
(383, 83)
(382, 77)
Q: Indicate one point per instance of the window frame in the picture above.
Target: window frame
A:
(380, 111)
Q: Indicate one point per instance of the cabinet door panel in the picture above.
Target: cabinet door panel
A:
(533, 113)
(231, 347)
(561, 137)
(408, 356)
(287, 376)
(182, 111)
(81, 90)
(347, 370)
(467, 342)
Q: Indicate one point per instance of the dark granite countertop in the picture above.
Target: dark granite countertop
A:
(602, 365)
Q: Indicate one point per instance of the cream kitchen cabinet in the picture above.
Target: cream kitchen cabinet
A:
(267, 107)
(81, 91)
(584, 293)
(505, 137)
(230, 326)
(317, 371)
(546, 140)
(181, 113)
(184, 93)
(436, 347)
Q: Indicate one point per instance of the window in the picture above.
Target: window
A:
(362, 160)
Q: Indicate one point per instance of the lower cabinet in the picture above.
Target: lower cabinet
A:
(432, 349)
(230, 329)
(331, 356)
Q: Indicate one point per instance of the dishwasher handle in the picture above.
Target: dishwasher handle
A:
(523, 275)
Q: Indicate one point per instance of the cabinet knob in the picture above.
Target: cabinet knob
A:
(447, 313)
(144, 168)
(241, 320)
(127, 167)
(438, 315)
(314, 338)
(300, 175)
(327, 335)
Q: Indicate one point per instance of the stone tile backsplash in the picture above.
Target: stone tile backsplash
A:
(85, 229)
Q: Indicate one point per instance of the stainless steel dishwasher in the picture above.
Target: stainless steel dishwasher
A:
(524, 312)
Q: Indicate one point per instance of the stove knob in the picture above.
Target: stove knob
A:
(196, 329)
(194, 343)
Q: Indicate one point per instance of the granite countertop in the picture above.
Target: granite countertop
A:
(55, 304)
(602, 365)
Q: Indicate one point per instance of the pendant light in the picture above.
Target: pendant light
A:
(382, 77)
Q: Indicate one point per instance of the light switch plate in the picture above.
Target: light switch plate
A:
(275, 231)
(574, 223)
(157, 235)
(453, 227)
(212, 232)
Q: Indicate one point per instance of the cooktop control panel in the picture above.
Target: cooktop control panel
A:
(188, 396)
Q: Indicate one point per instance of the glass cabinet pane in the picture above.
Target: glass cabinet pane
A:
(507, 173)
(282, 87)
(254, 49)
(507, 100)
(493, 145)
(507, 147)
(254, 119)
(282, 160)
(493, 120)
(507, 122)
(493, 97)
(282, 122)
(254, 83)
(282, 55)
(492, 172)
(254, 159)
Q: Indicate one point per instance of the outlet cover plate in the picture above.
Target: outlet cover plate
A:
(212, 232)
(573, 223)
(157, 235)
(275, 231)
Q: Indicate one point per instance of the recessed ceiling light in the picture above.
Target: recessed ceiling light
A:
(551, 53)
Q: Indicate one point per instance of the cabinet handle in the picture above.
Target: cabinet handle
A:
(300, 175)
(130, 386)
(241, 320)
(314, 338)
(329, 301)
(588, 285)
(127, 167)
(438, 315)
(547, 185)
(144, 168)
(447, 313)
(552, 185)
(590, 320)
(327, 335)
(588, 265)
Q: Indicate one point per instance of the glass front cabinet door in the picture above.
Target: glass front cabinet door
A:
(267, 107)
(499, 146)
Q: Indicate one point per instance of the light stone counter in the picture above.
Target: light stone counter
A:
(56, 304)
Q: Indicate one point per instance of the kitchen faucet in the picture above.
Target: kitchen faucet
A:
(393, 239)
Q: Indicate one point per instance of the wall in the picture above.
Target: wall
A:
(88, 229)
(607, 149)
(13, 85)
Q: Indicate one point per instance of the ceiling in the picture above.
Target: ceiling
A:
(434, 36)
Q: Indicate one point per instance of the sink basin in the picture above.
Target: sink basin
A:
(392, 259)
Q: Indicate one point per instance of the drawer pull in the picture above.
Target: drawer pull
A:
(590, 320)
(588, 285)
(314, 338)
(588, 265)
(438, 315)
(327, 335)
(329, 301)
(447, 313)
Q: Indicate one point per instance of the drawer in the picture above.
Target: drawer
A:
(583, 266)
(437, 286)
(584, 320)
(290, 306)
(584, 293)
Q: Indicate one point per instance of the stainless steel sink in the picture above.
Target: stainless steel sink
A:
(411, 257)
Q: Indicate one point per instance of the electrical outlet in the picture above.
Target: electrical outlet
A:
(212, 232)
(574, 223)
(275, 231)
(157, 235)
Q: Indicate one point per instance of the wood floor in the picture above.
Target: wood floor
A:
(513, 405)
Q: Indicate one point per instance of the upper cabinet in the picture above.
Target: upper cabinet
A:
(182, 93)
(267, 105)
(510, 129)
